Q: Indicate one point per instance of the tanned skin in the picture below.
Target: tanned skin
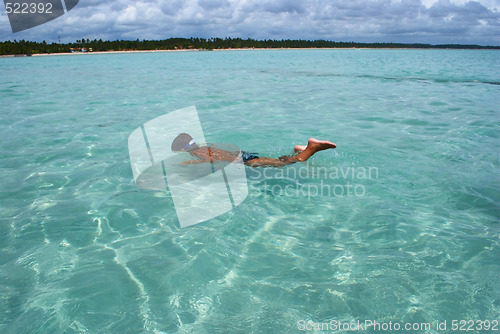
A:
(304, 152)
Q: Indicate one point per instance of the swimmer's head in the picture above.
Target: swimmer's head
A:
(183, 142)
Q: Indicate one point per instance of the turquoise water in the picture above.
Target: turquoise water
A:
(399, 224)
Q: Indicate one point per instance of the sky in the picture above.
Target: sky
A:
(401, 21)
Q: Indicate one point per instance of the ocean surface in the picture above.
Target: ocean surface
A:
(399, 224)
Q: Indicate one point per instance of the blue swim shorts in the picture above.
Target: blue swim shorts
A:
(246, 156)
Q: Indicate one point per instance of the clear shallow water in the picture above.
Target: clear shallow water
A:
(82, 249)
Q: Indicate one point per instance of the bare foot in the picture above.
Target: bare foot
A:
(299, 148)
(313, 146)
(320, 145)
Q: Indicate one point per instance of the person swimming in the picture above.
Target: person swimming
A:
(185, 143)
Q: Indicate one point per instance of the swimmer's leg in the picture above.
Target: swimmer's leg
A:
(266, 162)
(313, 146)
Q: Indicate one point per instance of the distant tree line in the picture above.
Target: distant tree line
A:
(26, 47)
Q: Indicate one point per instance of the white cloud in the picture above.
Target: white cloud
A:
(419, 21)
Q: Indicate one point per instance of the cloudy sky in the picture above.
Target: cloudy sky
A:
(407, 21)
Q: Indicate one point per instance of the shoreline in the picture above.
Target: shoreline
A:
(206, 50)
